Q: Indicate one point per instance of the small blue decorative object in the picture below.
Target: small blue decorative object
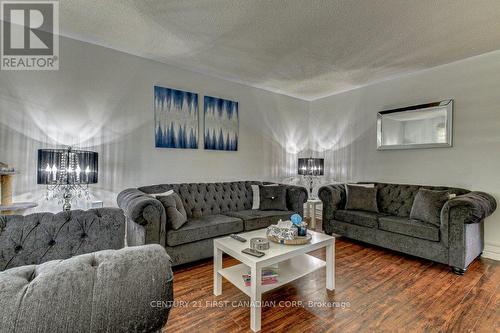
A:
(296, 219)
(302, 229)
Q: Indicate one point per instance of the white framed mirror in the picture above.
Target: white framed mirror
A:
(419, 126)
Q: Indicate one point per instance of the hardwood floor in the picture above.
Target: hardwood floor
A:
(382, 291)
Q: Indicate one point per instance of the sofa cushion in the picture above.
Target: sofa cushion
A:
(176, 214)
(409, 227)
(428, 204)
(359, 217)
(272, 197)
(257, 219)
(361, 198)
(204, 227)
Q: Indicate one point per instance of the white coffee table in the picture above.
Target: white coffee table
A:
(293, 262)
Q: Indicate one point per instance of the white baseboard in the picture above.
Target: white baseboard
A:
(491, 251)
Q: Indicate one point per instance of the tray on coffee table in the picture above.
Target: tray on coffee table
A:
(300, 240)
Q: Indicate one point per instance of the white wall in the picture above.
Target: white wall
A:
(343, 129)
(102, 99)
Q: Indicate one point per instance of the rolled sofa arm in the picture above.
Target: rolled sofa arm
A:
(333, 197)
(126, 290)
(145, 211)
(461, 219)
(296, 197)
(474, 207)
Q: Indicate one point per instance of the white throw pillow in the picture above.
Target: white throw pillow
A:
(164, 194)
(256, 197)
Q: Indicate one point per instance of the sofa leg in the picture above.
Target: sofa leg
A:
(459, 271)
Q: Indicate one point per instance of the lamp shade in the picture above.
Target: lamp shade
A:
(67, 166)
(311, 166)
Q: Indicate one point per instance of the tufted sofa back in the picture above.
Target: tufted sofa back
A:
(40, 237)
(397, 199)
(209, 198)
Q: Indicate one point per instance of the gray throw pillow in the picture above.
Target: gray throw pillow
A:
(428, 204)
(176, 214)
(361, 198)
(272, 197)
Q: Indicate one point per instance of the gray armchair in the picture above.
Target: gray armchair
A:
(69, 272)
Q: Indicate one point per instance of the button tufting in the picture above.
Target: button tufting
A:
(93, 262)
(52, 242)
(32, 276)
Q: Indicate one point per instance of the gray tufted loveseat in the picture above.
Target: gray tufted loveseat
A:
(457, 242)
(69, 272)
(213, 209)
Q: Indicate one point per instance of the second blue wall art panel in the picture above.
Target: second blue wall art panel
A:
(221, 124)
(176, 118)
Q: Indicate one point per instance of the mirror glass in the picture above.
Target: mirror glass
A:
(420, 126)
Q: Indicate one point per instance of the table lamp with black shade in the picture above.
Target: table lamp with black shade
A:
(311, 168)
(67, 173)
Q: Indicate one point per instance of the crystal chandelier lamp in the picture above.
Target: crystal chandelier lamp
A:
(311, 168)
(67, 173)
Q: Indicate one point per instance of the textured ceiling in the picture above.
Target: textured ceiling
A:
(302, 48)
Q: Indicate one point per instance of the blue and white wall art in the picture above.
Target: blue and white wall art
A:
(176, 118)
(221, 124)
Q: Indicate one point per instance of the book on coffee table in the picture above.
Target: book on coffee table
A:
(269, 276)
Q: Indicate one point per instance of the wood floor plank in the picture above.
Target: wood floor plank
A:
(381, 290)
(489, 321)
(442, 307)
(465, 317)
(415, 299)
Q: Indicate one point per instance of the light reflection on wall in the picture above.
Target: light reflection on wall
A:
(283, 125)
(335, 130)
(93, 103)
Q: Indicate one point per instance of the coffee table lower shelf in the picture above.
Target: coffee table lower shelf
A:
(288, 270)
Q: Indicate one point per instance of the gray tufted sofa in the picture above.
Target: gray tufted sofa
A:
(457, 242)
(213, 209)
(69, 272)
